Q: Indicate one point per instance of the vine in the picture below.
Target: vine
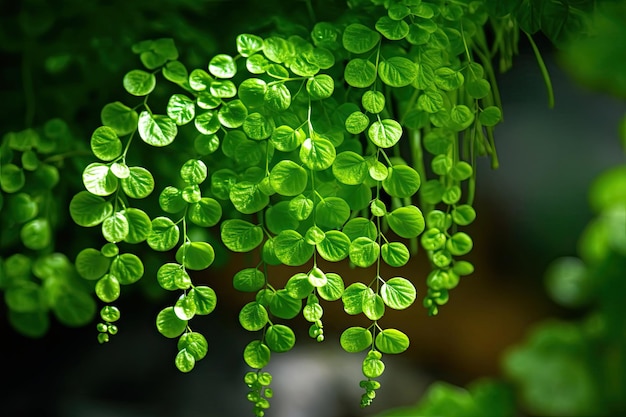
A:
(356, 141)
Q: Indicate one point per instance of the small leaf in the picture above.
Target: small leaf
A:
(402, 181)
(127, 268)
(373, 101)
(249, 280)
(176, 72)
(164, 234)
(194, 171)
(12, 178)
(398, 293)
(317, 154)
(205, 299)
(284, 306)
(256, 354)
(139, 183)
(448, 79)
(392, 341)
(205, 213)
(139, 82)
(350, 168)
(121, 118)
(397, 71)
(247, 197)
(168, 324)
(333, 289)
(252, 92)
(258, 127)
(332, 212)
(233, 114)
(172, 277)
(181, 109)
(385, 133)
(223, 66)
(249, 44)
(156, 130)
(195, 255)
(280, 338)
(406, 222)
(360, 73)
(115, 228)
(352, 298)
(358, 38)
(286, 139)
(301, 207)
(490, 116)
(288, 178)
(355, 339)
(105, 144)
(357, 122)
(253, 316)
(291, 248)
(459, 244)
(185, 307)
(99, 180)
(334, 247)
(299, 286)
(207, 123)
(373, 305)
(89, 210)
(195, 344)
(364, 252)
(277, 97)
(91, 264)
(108, 288)
(395, 254)
(463, 215)
(240, 235)
(320, 87)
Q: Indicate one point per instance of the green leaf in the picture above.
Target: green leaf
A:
(164, 234)
(402, 181)
(360, 73)
(12, 178)
(333, 289)
(317, 154)
(223, 66)
(397, 71)
(320, 87)
(360, 226)
(139, 183)
(172, 277)
(139, 82)
(364, 252)
(291, 248)
(207, 123)
(459, 244)
(334, 247)
(385, 133)
(25, 297)
(372, 366)
(490, 116)
(89, 210)
(249, 280)
(277, 218)
(36, 234)
(392, 341)
(352, 298)
(288, 178)
(233, 114)
(240, 235)
(256, 354)
(258, 127)
(277, 97)
(355, 339)
(99, 180)
(21, 208)
(91, 264)
(299, 286)
(200, 80)
(127, 268)
(252, 92)
(171, 200)
(461, 117)
(358, 38)
(156, 130)
(430, 101)
(185, 307)
(477, 88)
(184, 361)
(205, 299)
(176, 72)
(448, 79)
(121, 118)
(74, 308)
(463, 215)
(461, 171)
(350, 168)
(393, 29)
(301, 207)
(115, 228)
(108, 288)
(332, 212)
(406, 222)
(206, 100)
(280, 338)
(253, 316)
(120, 170)
(181, 109)
(373, 101)
(398, 293)
(195, 344)
(168, 324)
(286, 139)
(316, 277)
(105, 144)
(357, 122)
(195, 255)
(194, 171)
(205, 213)
(395, 254)
(247, 197)
(284, 306)
(248, 44)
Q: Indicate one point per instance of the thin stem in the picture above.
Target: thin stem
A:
(544, 71)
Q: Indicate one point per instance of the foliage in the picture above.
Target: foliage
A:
(352, 138)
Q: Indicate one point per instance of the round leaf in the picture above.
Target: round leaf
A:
(89, 210)
(121, 118)
(164, 234)
(168, 324)
(127, 268)
(364, 252)
(395, 254)
(320, 87)
(256, 354)
(317, 154)
(291, 248)
(156, 130)
(280, 338)
(172, 277)
(91, 264)
(355, 339)
(99, 180)
(253, 316)
(223, 66)
(358, 38)
(397, 71)
(139, 82)
(247, 197)
(195, 343)
(352, 298)
(392, 341)
(333, 289)
(335, 246)
(108, 288)
(350, 168)
(360, 73)
(195, 255)
(36, 234)
(205, 213)
(402, 181)
(249, 280)
(398, 293)
(406, 222)
(385, 133)
(284, 306)
(288, 178)
(105, 144)
(139, 183)
(332, 212)
(115, 228)
(240, 235)
(204, 298)
(181, 109)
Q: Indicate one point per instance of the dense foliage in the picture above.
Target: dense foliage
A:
(312, 141)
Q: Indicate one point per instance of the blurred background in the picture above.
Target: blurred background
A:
(71, 56)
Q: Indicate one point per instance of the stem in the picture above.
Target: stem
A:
(544, 71)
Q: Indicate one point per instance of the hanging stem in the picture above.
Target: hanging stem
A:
(544, 71)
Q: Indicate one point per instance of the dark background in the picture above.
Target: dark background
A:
(530, 211)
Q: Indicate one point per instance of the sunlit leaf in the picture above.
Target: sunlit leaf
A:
(139, 82)
(355, 339)
(156, 130)
(240, 235)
